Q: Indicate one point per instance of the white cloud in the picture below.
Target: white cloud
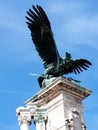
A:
(56, 7)
(67, 8)
(16, 36)
(12, 24)
(84, 24)
(82, 30)
(72, 21)
(11, 19)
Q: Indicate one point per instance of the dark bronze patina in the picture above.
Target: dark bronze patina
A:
(44, 42)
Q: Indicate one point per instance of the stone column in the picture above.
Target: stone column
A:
(24, 117)
(26, 114)
(40, 119)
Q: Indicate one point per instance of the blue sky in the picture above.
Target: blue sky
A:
(75, 27)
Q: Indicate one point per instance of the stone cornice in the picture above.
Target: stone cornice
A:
(55, 88)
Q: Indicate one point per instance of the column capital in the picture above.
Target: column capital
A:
(24, 115)
(40, 116)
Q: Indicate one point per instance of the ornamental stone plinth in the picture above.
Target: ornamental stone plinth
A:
(62, 101)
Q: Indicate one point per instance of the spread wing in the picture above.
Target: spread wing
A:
(78, 65)
(42, 35)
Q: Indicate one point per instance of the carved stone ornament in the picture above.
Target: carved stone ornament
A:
(73, 115)
(40, 115)
(24, 118)
(24, 115)
(83, 126)
(70, 124)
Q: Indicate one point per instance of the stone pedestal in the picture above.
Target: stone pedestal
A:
(62, 102)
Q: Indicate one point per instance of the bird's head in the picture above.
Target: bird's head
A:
(67, 57)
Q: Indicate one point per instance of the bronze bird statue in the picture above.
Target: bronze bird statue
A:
(44, 42)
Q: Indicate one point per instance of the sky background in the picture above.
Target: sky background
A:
(75, 27)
